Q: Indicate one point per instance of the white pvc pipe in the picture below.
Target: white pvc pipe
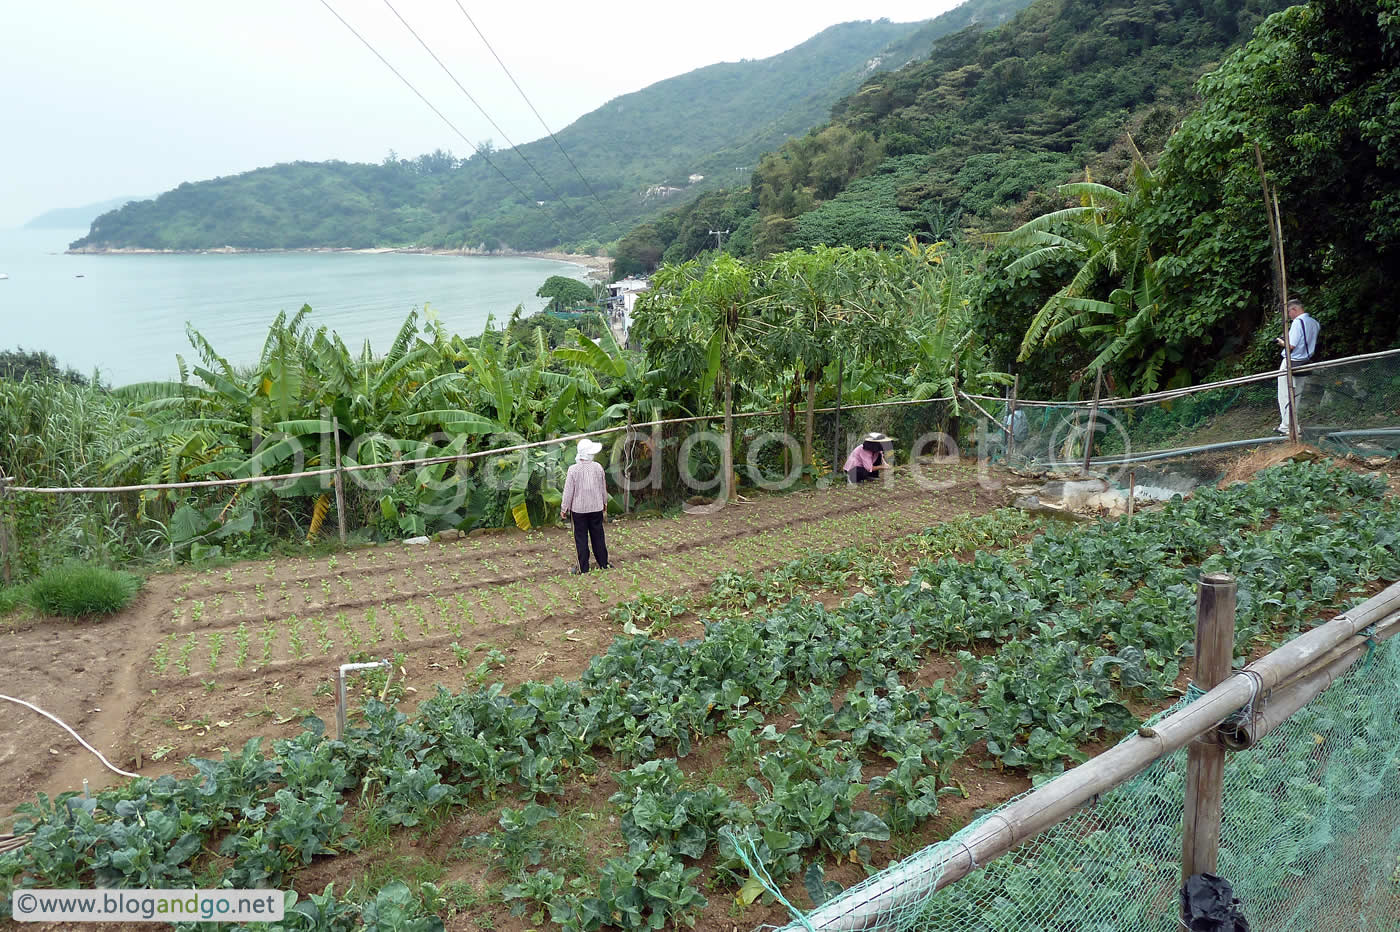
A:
(53, 718)
(340, 694)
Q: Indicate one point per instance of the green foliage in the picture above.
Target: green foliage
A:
(77, 591)
(564, 293)
(12, 597)
(16, 365)
(1314, 89)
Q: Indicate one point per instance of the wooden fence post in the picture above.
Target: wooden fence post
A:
(626, 475)
(1093, 418)
(339, 482)
(1205, 761)
(836, 457)
(1011, 420)
(5, 531)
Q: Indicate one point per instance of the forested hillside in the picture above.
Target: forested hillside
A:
(967, 136)
(638, 152)
(1112, 142)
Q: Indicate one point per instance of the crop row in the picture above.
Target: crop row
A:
(354, 630)
(548, 591)
(1052, 637)
(510, 557)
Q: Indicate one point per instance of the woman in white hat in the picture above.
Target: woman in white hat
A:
(586, 498)
(868, 458)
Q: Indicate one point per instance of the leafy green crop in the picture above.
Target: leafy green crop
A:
(1051, 637)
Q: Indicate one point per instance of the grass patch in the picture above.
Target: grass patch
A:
(12, 598)
(77, 591)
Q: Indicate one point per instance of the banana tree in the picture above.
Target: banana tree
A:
(1113, 251)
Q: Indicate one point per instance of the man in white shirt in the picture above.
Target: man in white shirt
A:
(1301, 346)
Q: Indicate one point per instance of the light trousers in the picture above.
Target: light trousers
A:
(1298, 383)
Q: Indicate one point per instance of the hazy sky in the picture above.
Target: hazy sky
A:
(106, 99)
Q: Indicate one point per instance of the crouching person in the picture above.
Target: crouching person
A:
(868, 459)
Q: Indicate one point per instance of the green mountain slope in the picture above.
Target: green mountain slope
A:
(639, 153)
(973, 134)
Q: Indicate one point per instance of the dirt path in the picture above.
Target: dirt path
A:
(205, 660)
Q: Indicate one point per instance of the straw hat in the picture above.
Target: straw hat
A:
(587, 447)
(876, 437)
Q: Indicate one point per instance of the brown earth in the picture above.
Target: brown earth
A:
(164, 680)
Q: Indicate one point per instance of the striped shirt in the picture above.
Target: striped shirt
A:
(585, 489)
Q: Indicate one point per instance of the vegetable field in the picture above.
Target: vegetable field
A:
(815, 696)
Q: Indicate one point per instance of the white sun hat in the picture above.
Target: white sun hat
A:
(587, 447)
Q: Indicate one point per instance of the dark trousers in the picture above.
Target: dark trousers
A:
(589, 525)
(861, 474)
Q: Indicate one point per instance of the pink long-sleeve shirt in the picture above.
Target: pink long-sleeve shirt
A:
(860, 456)
(585, 489)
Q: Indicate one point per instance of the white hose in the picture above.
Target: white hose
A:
(54, 718)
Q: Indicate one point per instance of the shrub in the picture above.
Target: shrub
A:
(75, 591)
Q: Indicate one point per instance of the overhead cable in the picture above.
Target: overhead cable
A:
(479, 107)
(479, 151)
(536, 112)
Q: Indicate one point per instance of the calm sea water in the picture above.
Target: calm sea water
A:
(126, 315)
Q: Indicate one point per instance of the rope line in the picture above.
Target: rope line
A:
(515, 148)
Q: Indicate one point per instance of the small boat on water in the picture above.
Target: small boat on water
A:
(4, 275)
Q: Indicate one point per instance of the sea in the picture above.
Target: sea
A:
(125, 316)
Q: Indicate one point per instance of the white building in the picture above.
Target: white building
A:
(622, 298)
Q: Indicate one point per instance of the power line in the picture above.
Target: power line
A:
(479, 151)
(448, 72)
(536, 112)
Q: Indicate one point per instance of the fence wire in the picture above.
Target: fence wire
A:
(1348, 406)
(1309, 840)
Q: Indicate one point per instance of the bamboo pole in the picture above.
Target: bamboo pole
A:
(5, 531)
(1011, 420)
(983, 411)
(836, 456)
(1287, 350)
(936, 867)
(1093, 418)
(627, 465)
(1290, 696)
(1132, 491)
(1153, 398)
(339, 481)
(727, 457)
(1280, 286)
(1205, 761)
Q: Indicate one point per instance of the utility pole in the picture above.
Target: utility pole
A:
(719, 236)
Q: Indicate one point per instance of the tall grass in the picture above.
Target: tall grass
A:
(77, 591)
(55, 433)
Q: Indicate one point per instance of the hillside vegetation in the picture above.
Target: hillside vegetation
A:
(1117, 138)
(977, 131)
(638, 153)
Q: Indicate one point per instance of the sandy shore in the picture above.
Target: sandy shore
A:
(598, 266)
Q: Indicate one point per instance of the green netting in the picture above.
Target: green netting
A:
(1310, 839)
(1348, 406)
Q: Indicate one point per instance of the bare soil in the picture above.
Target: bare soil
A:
(205, 660)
